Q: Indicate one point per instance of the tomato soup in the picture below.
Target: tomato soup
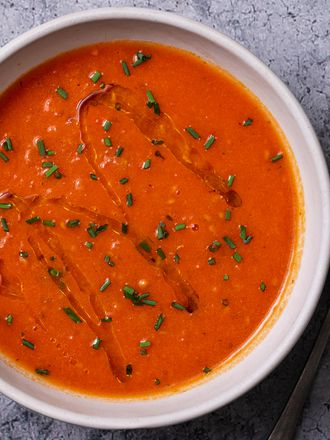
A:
(149, 219)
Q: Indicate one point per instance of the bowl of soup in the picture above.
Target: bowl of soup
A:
(164, 209)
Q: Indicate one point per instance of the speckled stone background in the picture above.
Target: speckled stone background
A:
(293, 38)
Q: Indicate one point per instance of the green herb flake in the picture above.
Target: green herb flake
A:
(89, 244)
(161, 232)
(145, 246)
(214, 246)
(51, 171)
(50, 223)
(262, 286)
(124, 228)
(211, 261)
(106, 319)
(247, 122)
(106, 125)
(96, 343)
(50, 153)
(95, 76)
(146, 164)
(123, 181)
(62, 93)
(229, 242)
(41, 147)
(157, 381)
(140, 58)
(8, 145)
(4, 157)
(73, 223)
(9, 319)
(161, 253)
(6, 205)
(209, 142)
(105, 285)
(93, 176)
(237, 257)
(108, 260)
(33, 220)
(230, 181)
(207, 370)
(178, 306)
(4, 224)
(119, 151)
(125, 68)
(226, 277)
(23, 254)
(80, 148)
(276, 158)
(145, 343)
(107, 141)
(176, 258)
(72, 315)
(28, 344)
(227, 215)
(42, 371)
(180, 226)
(129, 199)
(242, 232)
(54, 272)
(159, 322)
(192, 132)
(47, 164)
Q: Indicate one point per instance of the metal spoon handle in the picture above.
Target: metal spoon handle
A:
(286, 425)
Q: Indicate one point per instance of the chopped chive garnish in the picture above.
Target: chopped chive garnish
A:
(54, 272)
(149, 302)
(157, 381)
(229, 241)
(209, 142)
(123, 180)
(176, 258)
(8, 145)
(28, 344)
(102, 85)
(226, 277)
(214, 246)
(106, 125)
(159, 154)
(192, 132)
(4, 225)
(101, 228)
(211, 261)
(107, 142)
(42, 371)
(41, 147)
(140, 58)
(124, 228)
(51, 171)
(179, 226)
(145, 343)
(146, 164)
(161, 253)
(62, 93)
(262, 286)
(129, 370)
(50, 153)
(72, 315)
(230, 180)
(89, 244)
(93, 176)
(95, 76)
(237, 257)
(248, 239)
(242, 232)
(207, 370)
(96, 343)
(105, 285)
(58, 175)
(80, 148)
(151, 99)
(50, 223)
(278, 156)
(47, 164)
(73, 223)
(157, 141)
(247, 122)
(145, 246)
(137, 300)
(23, 254)
(108, 260)
(161, 232)
(129, 199)
(159, 321)
(125, 68)
(227, 214)
(106, 319)
(119, 151)
(178, 306)
(6, 205)
(33, 220)
(9, 319)
(4, 157)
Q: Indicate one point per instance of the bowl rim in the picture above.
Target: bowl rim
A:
(177, 21)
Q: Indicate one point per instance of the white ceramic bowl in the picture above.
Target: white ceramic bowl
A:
(83, 28)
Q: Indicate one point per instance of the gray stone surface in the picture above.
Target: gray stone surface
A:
(293, 38)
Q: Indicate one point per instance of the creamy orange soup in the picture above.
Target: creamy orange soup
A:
(149, 212)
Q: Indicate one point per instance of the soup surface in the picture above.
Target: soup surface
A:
(148, 219)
